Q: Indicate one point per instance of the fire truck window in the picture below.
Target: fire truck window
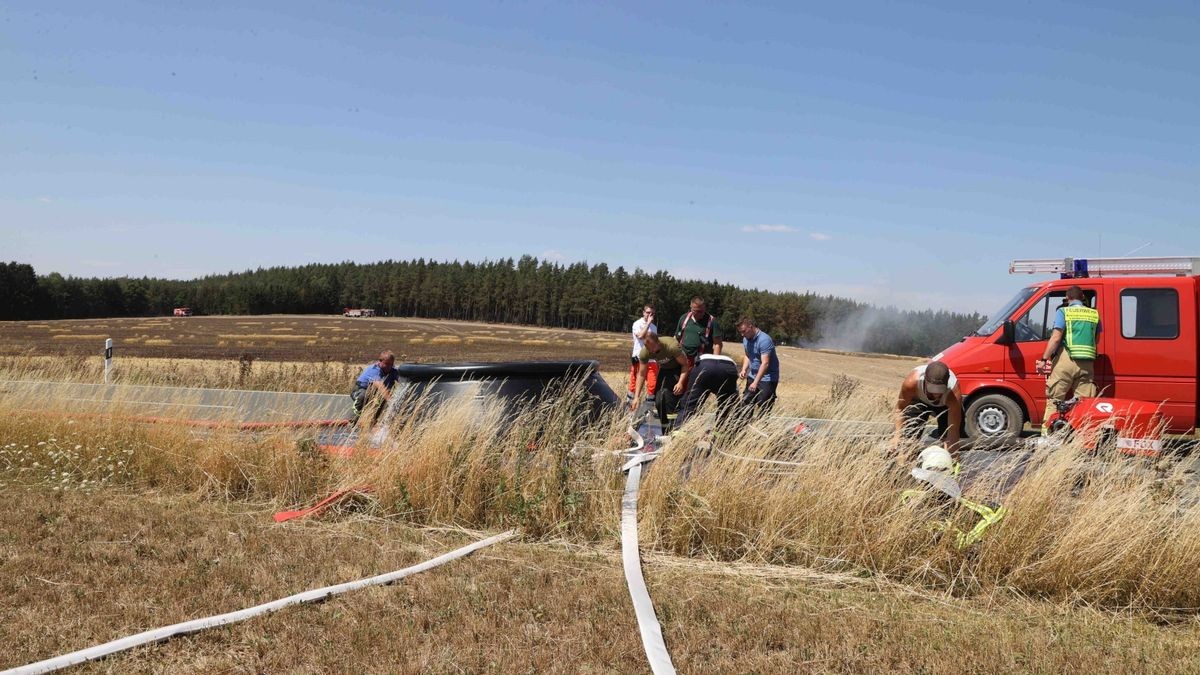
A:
(1150, 313)
(1036, 324)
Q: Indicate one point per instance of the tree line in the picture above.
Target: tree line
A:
(523, 291)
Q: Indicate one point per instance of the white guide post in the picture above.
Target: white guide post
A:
(107, 359)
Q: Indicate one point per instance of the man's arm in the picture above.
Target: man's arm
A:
(745, 367)
(643, 367)
(954, 416)
(684, 369)
(762, 370)
(641, 335)
(907, 391)
(1044, 364)
(716, 338)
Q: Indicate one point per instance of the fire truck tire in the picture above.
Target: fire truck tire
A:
(993, 416)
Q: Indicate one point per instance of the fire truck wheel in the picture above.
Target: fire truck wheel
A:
(994, 415)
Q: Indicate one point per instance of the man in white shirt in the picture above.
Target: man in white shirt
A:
(642, 327)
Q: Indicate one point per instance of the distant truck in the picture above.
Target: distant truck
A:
(1147, 347)
(355, 312)
(183, 311)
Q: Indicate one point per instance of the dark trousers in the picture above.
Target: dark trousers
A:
(762, 400)
(364, 397)
(917, 415)
(710, 377)
(665, 400)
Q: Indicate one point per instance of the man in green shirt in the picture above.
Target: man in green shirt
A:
(698, 332)
(673, 368)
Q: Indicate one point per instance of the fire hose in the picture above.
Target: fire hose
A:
(315, 595)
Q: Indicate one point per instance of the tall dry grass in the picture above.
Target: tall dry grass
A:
(1105, 531)
(244, 373)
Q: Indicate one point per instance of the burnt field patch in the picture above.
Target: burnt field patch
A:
(310, 339)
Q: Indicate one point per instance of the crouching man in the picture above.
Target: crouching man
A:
(929, 391)
(713, 374)
(673, 370)
(374, 385)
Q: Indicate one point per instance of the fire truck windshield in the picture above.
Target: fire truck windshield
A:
(1006, 312)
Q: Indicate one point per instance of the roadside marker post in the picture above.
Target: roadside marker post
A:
(107, 359)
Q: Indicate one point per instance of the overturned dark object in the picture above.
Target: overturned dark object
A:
(510, 382)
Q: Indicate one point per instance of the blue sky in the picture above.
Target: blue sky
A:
(893, 152)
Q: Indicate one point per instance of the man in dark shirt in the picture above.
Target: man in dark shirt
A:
(697, 332)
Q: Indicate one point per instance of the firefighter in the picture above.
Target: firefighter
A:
(929, 391)
(1071, 369)
(375, 383)
(713, 374)
(697, 331)
(673, 370)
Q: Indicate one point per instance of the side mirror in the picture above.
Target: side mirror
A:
(1008, 333)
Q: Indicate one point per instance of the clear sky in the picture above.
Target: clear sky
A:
(893, 152)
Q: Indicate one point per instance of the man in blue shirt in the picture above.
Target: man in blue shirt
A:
(375, 382)
(760, 366)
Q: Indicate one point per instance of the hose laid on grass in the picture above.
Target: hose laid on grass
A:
(315, 595)
(652, 638)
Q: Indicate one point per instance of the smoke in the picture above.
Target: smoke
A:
(856, 331)
(891, 331)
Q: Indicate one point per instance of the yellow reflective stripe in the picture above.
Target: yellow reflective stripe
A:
(1081, 339)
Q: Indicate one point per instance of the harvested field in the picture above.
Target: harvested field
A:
(211, 351)
(309, 339)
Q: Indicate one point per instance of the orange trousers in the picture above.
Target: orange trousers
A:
(651, 377)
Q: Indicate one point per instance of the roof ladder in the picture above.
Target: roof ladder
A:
(1079, 268)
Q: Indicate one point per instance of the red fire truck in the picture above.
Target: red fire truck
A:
(1147, 347)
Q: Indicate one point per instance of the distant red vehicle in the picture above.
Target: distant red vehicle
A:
(183, 311)
(1148, 346)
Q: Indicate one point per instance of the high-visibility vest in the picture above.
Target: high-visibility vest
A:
(1080, 334)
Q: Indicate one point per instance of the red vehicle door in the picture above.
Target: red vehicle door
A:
(1151, 344)
(1033, 325)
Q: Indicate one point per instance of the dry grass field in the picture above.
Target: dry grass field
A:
(82, 568)
(815, 566)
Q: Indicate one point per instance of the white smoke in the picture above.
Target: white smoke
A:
(852, 332)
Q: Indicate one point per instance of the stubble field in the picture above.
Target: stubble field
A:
(323, 354)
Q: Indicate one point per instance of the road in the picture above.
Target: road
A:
(207, 405)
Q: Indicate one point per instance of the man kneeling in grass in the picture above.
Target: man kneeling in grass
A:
(374, 385)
